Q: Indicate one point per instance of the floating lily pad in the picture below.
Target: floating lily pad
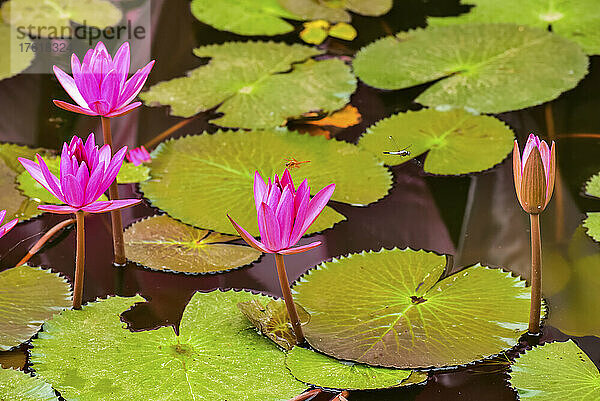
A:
(89, 355)
(320, 370)
(163, 243)
(16, 385)
(489, 68)
(13, 61)
(592, 187)
(403, 315)
(49, 16)
(257, 84)
(10, 153)
(132, 174)
(556, 371)
(458, 142)
(28, 297)
(11, 199)
(592, 223)
(272, 320)
(574, 20)
(244, 17)
(199, 179)
(335, 11)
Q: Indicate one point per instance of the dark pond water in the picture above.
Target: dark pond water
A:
(475, 218)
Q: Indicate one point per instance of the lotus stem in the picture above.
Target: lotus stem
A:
(536, 275)
(115, 215)
(79, 261)
(287, 297)
(42, 241)
(165, 134)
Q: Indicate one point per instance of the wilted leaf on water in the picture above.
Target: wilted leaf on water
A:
(315, 32)
(323, 371)
(28, 297)
(272, 320)
(335, 11)
(489, 68)
(344, 31)
(257, 84)
(18, 386)
(163, 243)
(15, 61)
(457, 142)
(200, 179)
(52, 17)
(556, 371)
(90, 355)
(396, 310)
(311, 123)
(574, 20)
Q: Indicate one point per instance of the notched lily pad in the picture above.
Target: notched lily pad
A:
(556, 371)
(244, 17)
(458, 142)
(574, 20)
(489, 68)
(406, 314)
(200, 179)
(28, 297)
(272, 320)
(17, 385)
(163, 243)
(323, 371)
(335, 11)
(89, 355)
(592, 187)
(592, 222)
(257, 84)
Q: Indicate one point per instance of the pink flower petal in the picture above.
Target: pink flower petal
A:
(273, 196)
(248, 238)
(68, 83)
(298, 249)
(316, 205)
(260, 189)
(72, 190)
(135, 84)
(8, 226)
(121, 63)
(270, 232)
(74, 108)
(2, 214)
(107, 206)
(58, 209)
(92, 191)
(300, 216)
(53, 182)
(124, 110)
(285, 215)
(286, 179)
(109, 90)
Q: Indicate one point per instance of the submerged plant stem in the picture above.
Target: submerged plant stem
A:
(287, 297)
(42, 241)
(79, 261)
(536, 275)
(115, 215)
(165, 134)
(558, 194)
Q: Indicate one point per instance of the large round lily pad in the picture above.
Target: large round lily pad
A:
(89, 355)
(592, 222)
(244, 17)
(458, 142)
(18, 386)
(575, 20)
(489, 68)
(14, 60)
(28, 297)
(402, 314)
(163, 243)
(556, 371)
(257, 84)
(321, 370)
(336, 11)
(199, 179)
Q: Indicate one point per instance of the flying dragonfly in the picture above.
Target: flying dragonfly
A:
(402, 152)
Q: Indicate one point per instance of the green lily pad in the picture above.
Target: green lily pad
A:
(574, 20)
(489, 68)
(28, 297)
(458, 142)
(49, 16)
(272, 320)
(163, 243)
(15, 61)
(592, 187)
(89, 355)
(556, 371)
(323, 371)
(132, 174)
(199, 179)
(244, 17)
(10, 153)
(257, 84)
(592, 224)
(11, 199)
(16, 385)
(335, 10)
(405, 316)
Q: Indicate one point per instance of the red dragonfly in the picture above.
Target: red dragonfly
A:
(293, 163)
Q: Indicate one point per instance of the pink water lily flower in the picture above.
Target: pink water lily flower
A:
(284, 214)
(86, 172)
(138, 156)
(99, 84)
(8, 226)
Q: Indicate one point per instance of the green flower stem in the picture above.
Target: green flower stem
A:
(536, 275)
(287, 296)
(113, 194)
(79, 260)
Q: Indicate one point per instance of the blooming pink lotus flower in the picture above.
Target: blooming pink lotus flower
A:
(99, 84)
(138, 156)
(534, 176)
(284, 214)
(86, 172)
(8, 226)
